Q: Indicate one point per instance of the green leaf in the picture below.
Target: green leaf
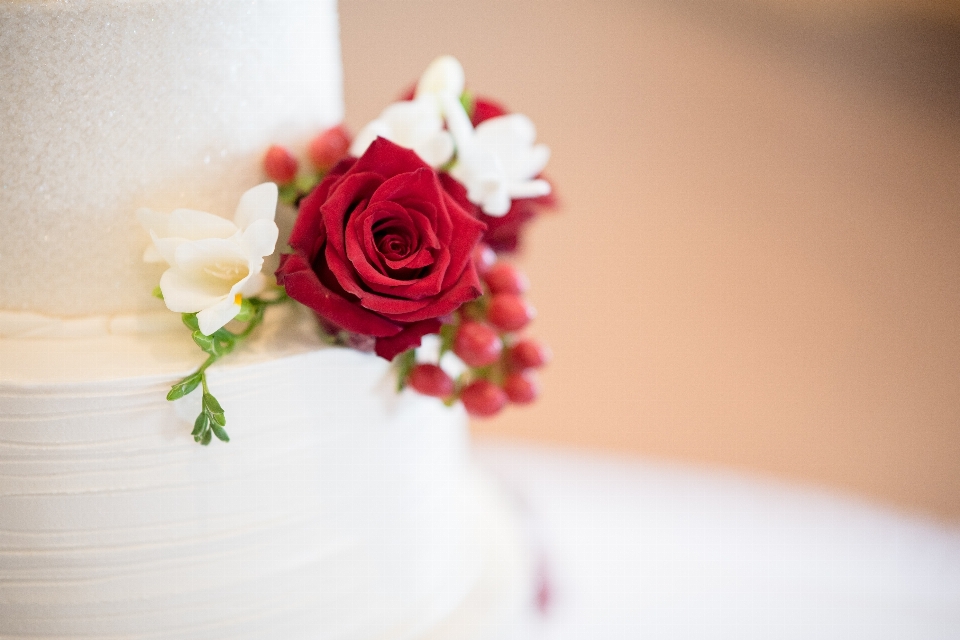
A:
(157, 293)
(220, 432)
(289, 193)
(210, 403)
(306, 182)
(447, 333)
(190, 319)
(476, 309)
(201, 424)
(225, 341)
(185, 386)
(207, 437)
(218, 418)
(207, 343)
(404, 363)
(469, 105)
(247, 310)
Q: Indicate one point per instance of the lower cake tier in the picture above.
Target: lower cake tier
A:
(339, 510)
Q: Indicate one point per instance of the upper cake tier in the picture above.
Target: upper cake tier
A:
(111, 105)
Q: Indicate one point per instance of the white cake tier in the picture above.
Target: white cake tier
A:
(340, 510)
(111, 105)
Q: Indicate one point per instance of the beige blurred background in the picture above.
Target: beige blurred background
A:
(757, 264)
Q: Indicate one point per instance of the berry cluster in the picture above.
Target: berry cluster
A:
(324, 151)
(484, 335)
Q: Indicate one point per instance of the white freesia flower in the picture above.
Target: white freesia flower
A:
(498, 161)
(418, 124)
(414, 124)
(443, 78)
(213, 262)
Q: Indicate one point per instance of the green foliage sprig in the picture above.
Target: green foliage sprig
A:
(212, 420)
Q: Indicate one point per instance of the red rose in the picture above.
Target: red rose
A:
(504, 232)
(382, 250)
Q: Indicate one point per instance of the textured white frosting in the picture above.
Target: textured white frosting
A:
(111, 105)
(339, 510)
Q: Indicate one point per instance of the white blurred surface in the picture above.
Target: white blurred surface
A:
(638, 549)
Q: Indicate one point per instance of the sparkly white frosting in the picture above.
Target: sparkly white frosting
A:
(107, 106)
(339, 510)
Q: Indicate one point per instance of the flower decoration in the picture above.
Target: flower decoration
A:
(381, 249)
(414, 124)
(397, 248)
(214, 263)
(497, 162)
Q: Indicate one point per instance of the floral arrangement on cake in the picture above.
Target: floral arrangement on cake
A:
(402, 232)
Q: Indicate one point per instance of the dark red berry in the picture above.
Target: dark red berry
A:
(484, 258)
(503, 277)
(522, 387)
(477, 344)
(482, 398)
(280, 165)
(328, 148)
(509, 312)
(528, 354)
(431, 380)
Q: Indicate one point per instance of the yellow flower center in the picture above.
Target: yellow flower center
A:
(237, 299)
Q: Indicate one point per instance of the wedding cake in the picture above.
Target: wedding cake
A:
(340, 509)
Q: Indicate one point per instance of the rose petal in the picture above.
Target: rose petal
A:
(411, 335)
(388, 159)
(450, 301)
(309, 232)
(304, 286)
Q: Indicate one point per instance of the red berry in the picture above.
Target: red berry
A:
(431, 380)
(484, 258)
(528, 354)
(521, 387)
(477, 344)
(482, 398)
(509, 312)
(328, 148)
(280, 164)
(503, 277)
